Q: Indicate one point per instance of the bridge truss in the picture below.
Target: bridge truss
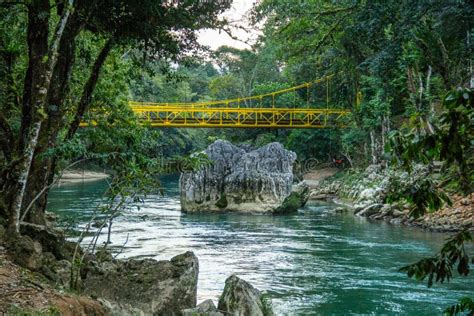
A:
(287, 108)
(177, 116)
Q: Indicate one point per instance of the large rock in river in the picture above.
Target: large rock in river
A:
(153, 287)
(240, 298)
(239, 179)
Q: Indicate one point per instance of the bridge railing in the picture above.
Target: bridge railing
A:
(250, 101)
(176, 116)
(293, 107)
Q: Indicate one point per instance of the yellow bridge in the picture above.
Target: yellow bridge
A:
(280, 109)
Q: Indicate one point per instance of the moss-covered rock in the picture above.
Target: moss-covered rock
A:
(222, 202)
(205, 308)
(51, 240)
(103, 254)
(297, 199)
(240, 298)
(290, 205)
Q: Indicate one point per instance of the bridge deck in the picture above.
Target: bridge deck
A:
(219, 117)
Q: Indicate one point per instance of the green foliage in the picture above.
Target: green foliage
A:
(457, 134)
(264, 139)
(352, 142)
(287, 100)
(79, 73)
(291, 203)
(440, 267)
(267, 309)
(222, 202)
(465, 306)
(406, 56)
(450, 140)
(422, 195)
(225, 87)
(156, 28)
(248, 66)
(317, 144)
(67, 150)
(186, 163)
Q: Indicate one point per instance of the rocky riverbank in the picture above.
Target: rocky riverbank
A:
(242, 179)
(366, 193)
(36, 275)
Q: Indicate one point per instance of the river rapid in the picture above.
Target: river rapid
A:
(315, 262)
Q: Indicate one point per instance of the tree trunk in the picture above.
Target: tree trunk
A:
(45, 168)
(37, 37)
(89, 87)
(373, 147)
(385, 131)
(41, 64)
(41, 167)
(348, 158)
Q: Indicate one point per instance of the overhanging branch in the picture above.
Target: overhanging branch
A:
(89, 87)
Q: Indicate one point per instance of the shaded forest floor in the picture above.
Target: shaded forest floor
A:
(25, 292)
(461, 214)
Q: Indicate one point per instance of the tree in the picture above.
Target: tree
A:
(451, 142)
(247, 67)
(402, 56)
(159, 29)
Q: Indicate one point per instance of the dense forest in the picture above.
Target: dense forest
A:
(405, 59)
(405, 70)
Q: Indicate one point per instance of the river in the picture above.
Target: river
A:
(315, 262)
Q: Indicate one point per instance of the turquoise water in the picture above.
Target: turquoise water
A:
(315, 262)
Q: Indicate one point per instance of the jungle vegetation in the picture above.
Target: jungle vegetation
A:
(60, 60)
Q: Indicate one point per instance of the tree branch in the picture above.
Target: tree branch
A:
(49, 186)
(329, 33)
(30, 131)
(89, 87)
(335, 11)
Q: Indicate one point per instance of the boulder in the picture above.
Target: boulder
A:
(298, 197)
(119, 309)
(63, 274)
(367, 195)
(396, 221)
(340, 209)
(370, 210)
(240, 298)
(315, 196)
(206, 308)
(239, 179)
(398, 213)
(51, 240)
(154, 287)
(373, 169)
(25, 252)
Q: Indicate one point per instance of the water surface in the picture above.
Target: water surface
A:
(315, 262)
